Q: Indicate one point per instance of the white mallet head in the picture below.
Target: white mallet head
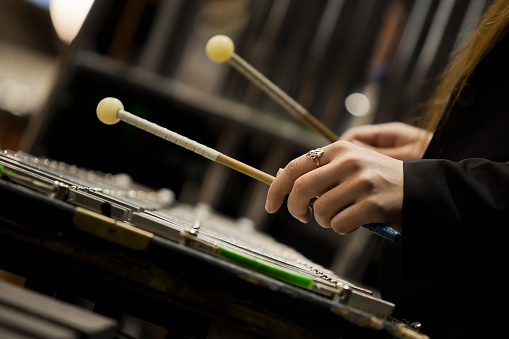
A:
(107, 110)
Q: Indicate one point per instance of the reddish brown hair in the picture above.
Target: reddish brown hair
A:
(492, 26)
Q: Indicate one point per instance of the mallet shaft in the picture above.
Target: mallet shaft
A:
(280, 96)
(194, 146)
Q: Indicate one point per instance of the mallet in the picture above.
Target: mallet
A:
(220, 48)
(111, 110)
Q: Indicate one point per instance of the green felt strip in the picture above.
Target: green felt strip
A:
(267, 268)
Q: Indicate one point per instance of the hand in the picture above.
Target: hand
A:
(395, 139)
(354, 186)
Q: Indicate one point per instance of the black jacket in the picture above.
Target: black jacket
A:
(450, 269)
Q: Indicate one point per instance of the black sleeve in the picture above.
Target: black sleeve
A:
(455, 218)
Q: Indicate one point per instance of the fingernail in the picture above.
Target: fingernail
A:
(268, 207)
(278, 171)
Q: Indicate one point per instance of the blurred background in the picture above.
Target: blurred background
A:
(347, 62)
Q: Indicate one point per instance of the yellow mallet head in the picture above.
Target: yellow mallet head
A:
(220, 48)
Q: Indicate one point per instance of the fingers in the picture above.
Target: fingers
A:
(402, 152)
(284, 184)
(353, 186)
(349, 219)
(366, 134)
(397, 140)
(303, 182)
(390, 134)
(333, 202)
(306, 189)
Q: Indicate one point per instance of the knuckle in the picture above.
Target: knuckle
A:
(291, 167)
(342, 144)
(300, 185)
(365, 182)
(319, 208)
(352, 162)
